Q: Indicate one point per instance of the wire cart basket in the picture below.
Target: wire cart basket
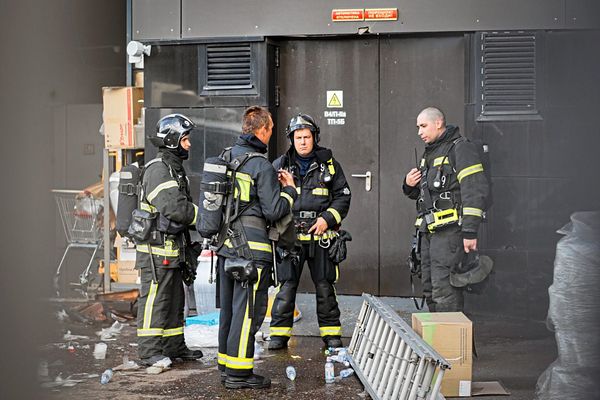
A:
(81, 215)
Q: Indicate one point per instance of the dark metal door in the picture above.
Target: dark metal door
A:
(350, 127)
(383, 83)
(416, 72)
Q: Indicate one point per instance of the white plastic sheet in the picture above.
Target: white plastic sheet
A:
(574, 313)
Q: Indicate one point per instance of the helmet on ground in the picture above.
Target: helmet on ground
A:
(171, 128)
(302, 121)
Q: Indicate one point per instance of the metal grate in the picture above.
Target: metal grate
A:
(390, 359)
(508, 73)
(228, 67)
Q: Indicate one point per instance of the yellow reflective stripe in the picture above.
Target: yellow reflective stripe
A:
(239, 362)
(222, 358)
(331, 330)
(336, 214)
(299, 190)
(195, 215)
(173, 331)
(281, 331)
(150, 332)
(147, 207)
(331, 167)
(288, 197)
(167, 251)
(150, 305)
(476, 212)
(244, 182)
(244, 335)
(473, 169)
(418, 221)
(320, 192)
(161, 187)
(266, 247)
(438, 161)
(337, 273)
(326, 235)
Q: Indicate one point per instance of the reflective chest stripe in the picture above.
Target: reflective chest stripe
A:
(438, 161)
(320, 192)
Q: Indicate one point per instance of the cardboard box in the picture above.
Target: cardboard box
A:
(122, 110)
(451, 335)
(127, 272)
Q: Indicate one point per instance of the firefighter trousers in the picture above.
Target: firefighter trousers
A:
(324, 275)
(160, 310)
(441, 251)
(237, 325)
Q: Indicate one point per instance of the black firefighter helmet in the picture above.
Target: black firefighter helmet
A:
(302, 121)
(170, 129)
(472, 272)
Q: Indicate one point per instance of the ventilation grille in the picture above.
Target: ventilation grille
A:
(228, 67)
(508, 76)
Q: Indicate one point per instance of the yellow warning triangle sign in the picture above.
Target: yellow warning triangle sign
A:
(334, 101)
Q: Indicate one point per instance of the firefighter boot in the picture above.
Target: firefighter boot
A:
(247, 382)
(277, 343)
(333, 341)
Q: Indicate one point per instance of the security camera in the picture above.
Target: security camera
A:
(136, 51)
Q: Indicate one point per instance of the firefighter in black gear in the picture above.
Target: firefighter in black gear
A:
(324, 200)
(263, 202)
(165, 191)
(451, 190)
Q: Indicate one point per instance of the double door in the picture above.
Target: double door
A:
(365, 94)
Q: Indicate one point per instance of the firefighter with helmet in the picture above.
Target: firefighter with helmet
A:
(323, 201)
(165, 193)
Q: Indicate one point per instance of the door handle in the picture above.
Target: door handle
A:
(367, 175)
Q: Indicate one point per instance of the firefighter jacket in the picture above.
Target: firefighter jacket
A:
(456, 164)
(260, 197)
(165, 189)
(323, 191)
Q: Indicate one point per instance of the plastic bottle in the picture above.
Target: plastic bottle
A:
(106, 376)
(346, 372)
(290, 371)
(329, 371)
(258, 350)
(340, 359)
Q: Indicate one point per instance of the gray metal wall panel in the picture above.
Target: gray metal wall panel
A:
(204, 18)
(156, 19)
(582, 14)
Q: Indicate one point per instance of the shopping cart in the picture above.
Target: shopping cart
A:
(81, 215)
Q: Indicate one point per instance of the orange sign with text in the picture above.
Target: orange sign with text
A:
(381, 14)
(350, 14)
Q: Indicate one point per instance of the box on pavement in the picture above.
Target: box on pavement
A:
(451, 335)
(122, 109)
(127, 272)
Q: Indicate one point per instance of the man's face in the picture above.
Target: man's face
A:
(185, 143)
(303, 141)
(429, 130)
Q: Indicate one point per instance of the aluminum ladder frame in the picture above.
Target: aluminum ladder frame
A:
(390, 359)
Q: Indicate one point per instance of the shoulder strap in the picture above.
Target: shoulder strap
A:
(144, 168)
(447, 155)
